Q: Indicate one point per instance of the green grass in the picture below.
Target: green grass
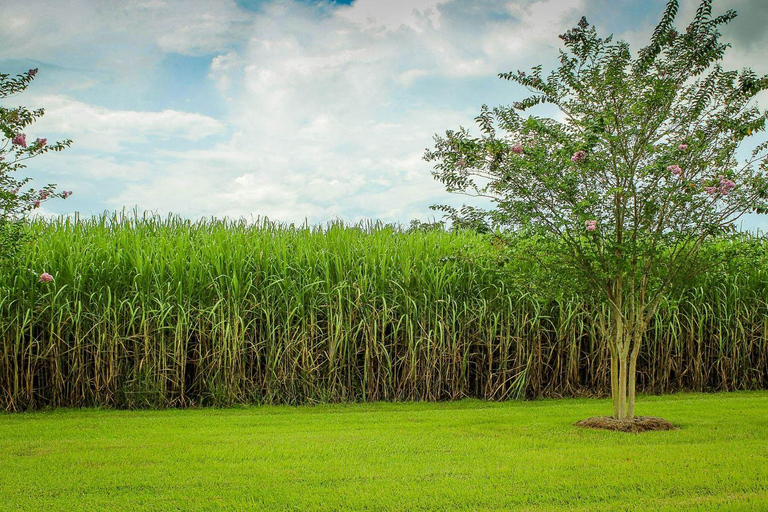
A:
(467, 455)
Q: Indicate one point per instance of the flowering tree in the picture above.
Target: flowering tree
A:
(15, 150)
(639, 169)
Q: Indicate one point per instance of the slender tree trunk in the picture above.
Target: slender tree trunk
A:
(625, 349)
(623, 332)
(615, 380)
(632, 382)
(637, 339)
(622, 385)
(619, 368)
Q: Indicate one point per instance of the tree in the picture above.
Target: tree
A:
(15, 150)
(637, 173)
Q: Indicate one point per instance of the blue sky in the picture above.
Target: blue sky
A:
(291, 109)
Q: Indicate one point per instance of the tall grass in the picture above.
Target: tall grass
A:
(151, 312)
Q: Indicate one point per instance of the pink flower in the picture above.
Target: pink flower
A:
(44, 194)
(726, 186)
(682, 147)
(675, 169)
(15, 191)
(45, 277)
(67, 193)
(41, 142)
(578, 156)
(32, 72)
(37, 204)
(591, 225)
(516, 149)
(20, 140)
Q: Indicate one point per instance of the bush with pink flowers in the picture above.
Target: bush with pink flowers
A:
(645, 148)
(16, 198)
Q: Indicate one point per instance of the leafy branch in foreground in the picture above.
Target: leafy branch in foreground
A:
(15, 150)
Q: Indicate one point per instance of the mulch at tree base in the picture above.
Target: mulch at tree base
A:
(635, 425)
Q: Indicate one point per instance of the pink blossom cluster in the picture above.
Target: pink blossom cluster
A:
(516, 149)
(591, 225)
(45, 277)
(20, 140)
(725, 187)
(675, 169)
(32, 72)
(578, 156)
(41, 142)
(682, 147)
(66, 193)
(44, 194)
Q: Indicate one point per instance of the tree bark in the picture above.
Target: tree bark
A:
(623, 331)
(624, 345)
(623, 371)
(615, 381)
(637, 339)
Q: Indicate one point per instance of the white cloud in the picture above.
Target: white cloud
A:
(119, 36)
(221, 70)
(105, 130)
(317, 133)
(417, 15)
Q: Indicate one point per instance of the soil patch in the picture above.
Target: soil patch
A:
(635, 425)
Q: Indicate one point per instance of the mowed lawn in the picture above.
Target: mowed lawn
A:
(468, 455)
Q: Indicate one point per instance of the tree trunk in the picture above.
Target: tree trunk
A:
(632, 382)
(619, 366)
(615, 381)
(637, 339)
(625, 349)
(623, 373)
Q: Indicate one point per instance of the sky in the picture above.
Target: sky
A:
(297, 110)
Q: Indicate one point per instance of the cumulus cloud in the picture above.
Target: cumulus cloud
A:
(417, 15)
(106, 130)
(321, 128)
(115, 30)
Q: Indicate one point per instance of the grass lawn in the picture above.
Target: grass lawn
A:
(467, 455)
